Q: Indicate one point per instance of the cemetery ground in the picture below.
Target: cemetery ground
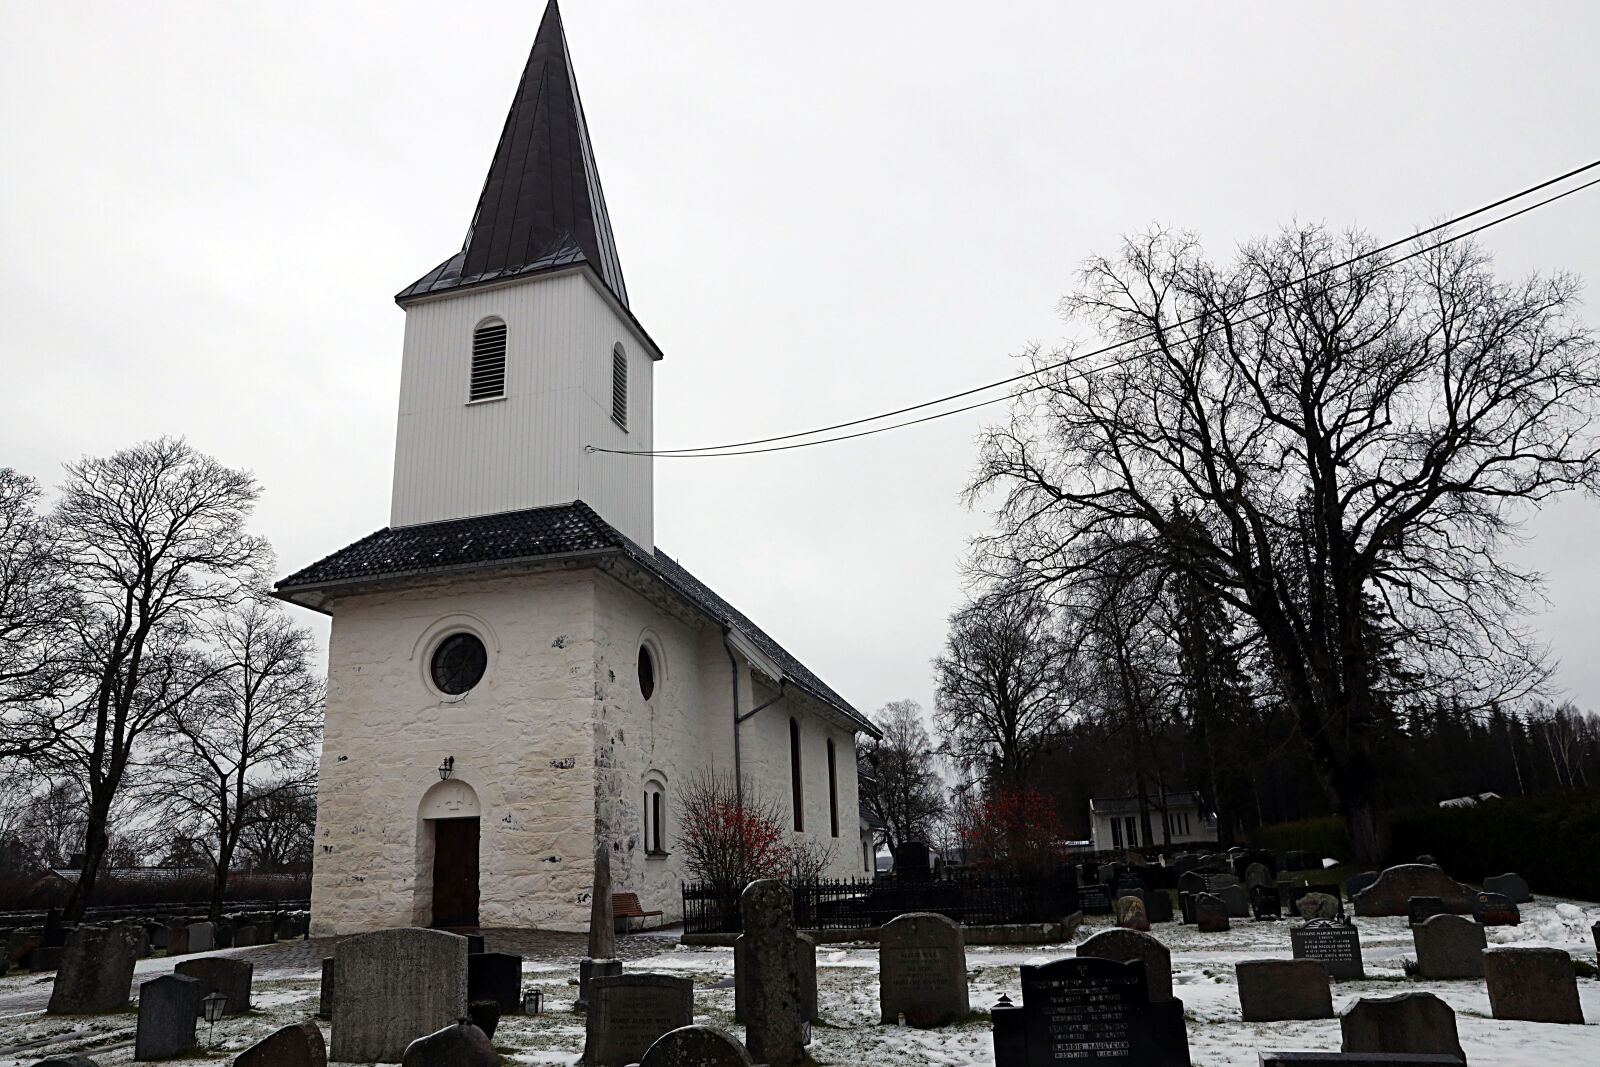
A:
(287, 976)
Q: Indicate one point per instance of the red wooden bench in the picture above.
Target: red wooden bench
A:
(625, 906)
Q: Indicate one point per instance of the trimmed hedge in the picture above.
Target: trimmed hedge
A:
(1552, 840)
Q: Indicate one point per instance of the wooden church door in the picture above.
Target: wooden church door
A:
(455, 872)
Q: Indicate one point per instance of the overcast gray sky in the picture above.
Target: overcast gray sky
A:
(823, 210)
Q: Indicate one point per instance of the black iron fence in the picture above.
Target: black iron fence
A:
(969, 898)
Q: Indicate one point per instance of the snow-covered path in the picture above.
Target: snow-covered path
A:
(851, 1035)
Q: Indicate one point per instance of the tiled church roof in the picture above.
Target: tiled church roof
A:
(529, 536)
(541, 207)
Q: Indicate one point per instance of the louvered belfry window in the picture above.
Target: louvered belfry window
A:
(488, 361)
(619, 387)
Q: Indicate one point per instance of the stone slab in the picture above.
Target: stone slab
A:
(1277, 990)
(1336, 944)
(460, 1044)
(1449, 946)
(220, 974)
(392, 987)
(1396, 885)
(1124, 945)
(1511, 885)
(1406, 1022)
(697, 1046)
(300, 1045)
(630, 1012)
(922, 970)
(95, 972)
(1532, 984)
(168, 1007)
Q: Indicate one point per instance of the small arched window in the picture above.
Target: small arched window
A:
(797, 796)
(655, 819)
(488, 361)
(647, 672)
(833, 791)
(619, 386)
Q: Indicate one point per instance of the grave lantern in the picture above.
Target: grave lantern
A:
(446, 767)
(212, 1005)
(532, 1000)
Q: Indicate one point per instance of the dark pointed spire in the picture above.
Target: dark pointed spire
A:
(541, 207)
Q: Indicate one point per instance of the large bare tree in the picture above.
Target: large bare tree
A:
(155, 542)
(900, 783)
(1352, 450)
(247, 736)
(1002, 682)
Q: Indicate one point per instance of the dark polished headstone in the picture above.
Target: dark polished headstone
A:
(1421, 909)
(1090, 1012)
(1356, 1059)
(219, 974)
(1335, 943)
(1266, 902)
(495, 976)
(168, 1007)
(1495, 909)
(1094, 900)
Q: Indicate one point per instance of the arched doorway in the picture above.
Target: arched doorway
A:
(450, 817)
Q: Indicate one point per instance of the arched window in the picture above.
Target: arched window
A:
(619, 386)
(833, 791)
(488, 361)
(647, 672)
(797, 797)
(655, 817)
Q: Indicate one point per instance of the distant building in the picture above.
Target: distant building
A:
(1114, 821)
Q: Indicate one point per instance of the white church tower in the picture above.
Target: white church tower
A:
(520, 349)
(515, 672)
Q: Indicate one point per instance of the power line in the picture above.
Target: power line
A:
(713, 451)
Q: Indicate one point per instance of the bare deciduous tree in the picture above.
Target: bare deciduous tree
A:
(155, 542)
(282, 835)
(37, 608)
(1354, 433)
(248, 735)
(1001, 682)
(899, 782)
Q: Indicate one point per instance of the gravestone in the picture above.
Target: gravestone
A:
(177, 940)
(628, 1012)
(1266, 902)
(1336, 944)
(1192, 882)
(1495, 909)
(1275, 990)
(697, 1046)
(461, 1044)
(1236, 899)
(1281, 1058)
(67, 1061)
(495, 976)
(391, 987)
(922, 970)
(55, 934)
(95, 972)
(202, 937)
(1257, 874)
(21, 943)
(1158, 906)
(777, 1030)
(219, 974)
(160, 937)
(1357, 882)
(1220, 880)
(1317, 906)
(1089, 1011)
(1449, 946)
(1397, 885)
(1416, 1023)
(1511, 885)
(1094, 900)
(601, 962)
(1421, 909)
(325, 994)
(300, 1045)
(1125, 945)
(1594, 931)
(222, 936)
(1210, 914)
(1128, 886)
(1186, 907)
(805, 960)
(1130, 913)
(244, 935)
(168, 1007)
(1535, 985)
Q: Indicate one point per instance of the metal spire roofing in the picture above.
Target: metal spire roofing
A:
(541, 207)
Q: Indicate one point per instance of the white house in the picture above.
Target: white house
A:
(515, 670)
(1115, 823)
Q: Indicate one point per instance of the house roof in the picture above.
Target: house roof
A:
(533, 535)
(1130, 804)
(541, 207)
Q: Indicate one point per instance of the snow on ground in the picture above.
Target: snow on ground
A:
(847, 975)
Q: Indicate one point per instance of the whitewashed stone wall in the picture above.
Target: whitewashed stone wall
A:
(556, 743)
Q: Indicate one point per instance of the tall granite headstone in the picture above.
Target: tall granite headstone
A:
(629, 1012)
(602, 960)
(778, 1029)
(392, 987)
(168, 1007)
(922, 970)
(95, 973)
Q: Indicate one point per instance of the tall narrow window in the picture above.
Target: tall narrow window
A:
(488, 361)
(655, 822)
(619, 386)
(796, 797)
(833, 792)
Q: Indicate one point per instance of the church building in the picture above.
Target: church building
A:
(516, 673)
